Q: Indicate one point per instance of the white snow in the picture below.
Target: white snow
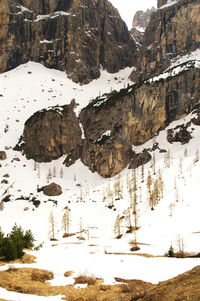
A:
(140, 29)
(179, 64)
(52, 16)
(32, 87)
(169, 3)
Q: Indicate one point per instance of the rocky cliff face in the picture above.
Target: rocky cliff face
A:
(112, 124)
(77, 36)
(140, 23)
(142, 18)
(57, 133)
(172, 31)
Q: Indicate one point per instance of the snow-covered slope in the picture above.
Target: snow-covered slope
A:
(93, 207)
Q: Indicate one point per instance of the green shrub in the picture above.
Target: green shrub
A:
(11, 247)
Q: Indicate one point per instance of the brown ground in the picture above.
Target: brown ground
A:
(26, 258)
(181, 288)
(33, 281)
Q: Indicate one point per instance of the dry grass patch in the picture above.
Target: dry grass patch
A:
(68, 273)
(33, 281)
(89, 280)
(133, 254)
(26, 258)
(182, 287)
(41, 275)
(26, 280)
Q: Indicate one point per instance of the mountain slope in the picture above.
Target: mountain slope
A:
(85, 192)
(78, 36)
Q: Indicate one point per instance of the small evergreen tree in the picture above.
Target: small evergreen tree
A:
(9, 249)
(17, 236)
(171, 252)
(28, 239)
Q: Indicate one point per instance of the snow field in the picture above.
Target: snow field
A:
(32, 87)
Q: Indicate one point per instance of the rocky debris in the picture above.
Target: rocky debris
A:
(76, 36)
(139, 159)
(166, 38)
(179, 134)
(52, 189)
(57, 133)
(3, 155)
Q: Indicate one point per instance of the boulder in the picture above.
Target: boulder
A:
(52, 189)
(3, 155)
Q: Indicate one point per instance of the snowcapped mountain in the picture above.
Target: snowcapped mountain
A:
(123, 156)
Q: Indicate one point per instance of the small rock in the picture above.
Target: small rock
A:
(4, 181)
(6, 175)
(3, 155)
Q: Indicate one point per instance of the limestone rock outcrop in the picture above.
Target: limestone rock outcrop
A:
(52, 133)
(172, 31)
(113, 124)
(76, 36)
(142, 18)
(140, 23)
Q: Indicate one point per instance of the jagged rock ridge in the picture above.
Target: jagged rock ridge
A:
(78, 36)
(140, 23)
